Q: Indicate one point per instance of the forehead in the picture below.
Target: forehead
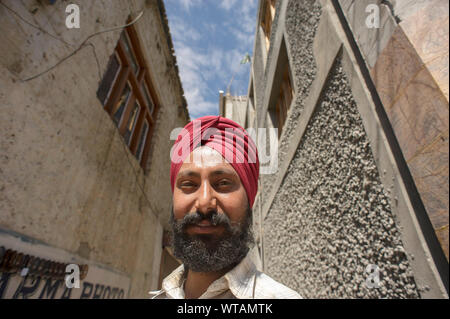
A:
(206, 158)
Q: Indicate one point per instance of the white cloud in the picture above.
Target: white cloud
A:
(211, 27)
(187, 4)
(196, 68)
(245, 39)
(241, 72)
(242, 26)
(248, 21)
(200, 64)
(227, 4)
(179, 29)
(198, 106)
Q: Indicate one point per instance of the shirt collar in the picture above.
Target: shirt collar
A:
(238, 280)
(172, 285)
(241, 278)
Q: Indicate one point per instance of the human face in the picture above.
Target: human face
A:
(205, 183)
(211, 219)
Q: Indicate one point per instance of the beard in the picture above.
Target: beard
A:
(211, 252)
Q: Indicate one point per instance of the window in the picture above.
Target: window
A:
(112, 71)
(131, 122)
(268, 15)
(149, 101)
(282, 91)
(142, 140)
(127, 94)
(284, 99)
(119, 106)
(132, 58)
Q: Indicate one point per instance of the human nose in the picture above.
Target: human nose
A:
(206, 200)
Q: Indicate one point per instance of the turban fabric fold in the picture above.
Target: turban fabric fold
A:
(226, 137)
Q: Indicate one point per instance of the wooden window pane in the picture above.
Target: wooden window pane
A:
(108, 79)
(266, 21)
(288, 86)
(287, 94)
(142, 140)
(131, 122)
(282, 112)
(268, 17)
(120, 105)
(129, 51)
(147, 97)
(272, 8)
(126, 95)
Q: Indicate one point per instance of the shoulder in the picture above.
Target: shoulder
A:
(268, 288)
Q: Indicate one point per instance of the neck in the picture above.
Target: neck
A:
(198, 282)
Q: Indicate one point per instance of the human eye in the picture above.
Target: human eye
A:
(187, 184)
(224, 184)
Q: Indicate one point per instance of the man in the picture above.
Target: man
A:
(214, 178)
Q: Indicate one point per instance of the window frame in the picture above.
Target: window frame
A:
(267, 17)
(139, 154)
(124, 124)
(284, 100)
(128, 100)
(116, 75)
(128, 43)
(140, 83)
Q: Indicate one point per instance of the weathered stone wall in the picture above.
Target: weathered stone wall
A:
(67, 178)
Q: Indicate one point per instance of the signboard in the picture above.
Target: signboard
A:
(32, 269)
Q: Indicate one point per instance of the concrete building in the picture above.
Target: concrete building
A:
(233, 107)
(85, 147)
(358, 91)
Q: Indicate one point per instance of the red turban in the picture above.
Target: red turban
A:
(226, 137)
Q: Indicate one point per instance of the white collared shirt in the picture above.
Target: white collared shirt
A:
(242, 282)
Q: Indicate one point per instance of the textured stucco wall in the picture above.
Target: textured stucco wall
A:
(331, 216)
(300, 23)
(66, 176)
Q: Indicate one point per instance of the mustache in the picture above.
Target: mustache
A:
(213, 217)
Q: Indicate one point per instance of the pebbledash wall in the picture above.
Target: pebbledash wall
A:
(362, 179)
(70, 189)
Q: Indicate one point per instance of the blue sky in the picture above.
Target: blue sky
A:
(211, 37)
